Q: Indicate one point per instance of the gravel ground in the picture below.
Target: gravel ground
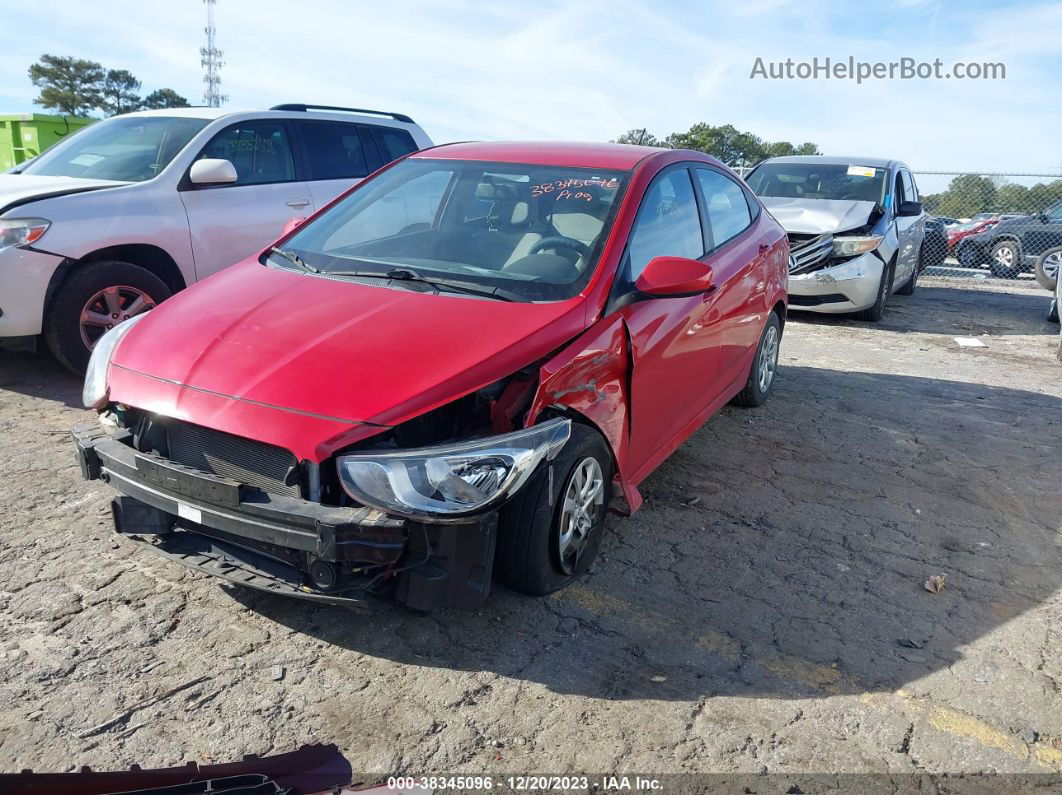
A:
(765, 610)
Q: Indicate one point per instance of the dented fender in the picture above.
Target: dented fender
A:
(591, 376)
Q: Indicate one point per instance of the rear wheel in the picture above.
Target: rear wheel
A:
(95, 298)
(874, 313)
(764, 366)
(1005, 260)
(549, 533)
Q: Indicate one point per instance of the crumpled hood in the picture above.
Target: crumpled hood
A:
(20, 188)
(338, 349)
(818, 216)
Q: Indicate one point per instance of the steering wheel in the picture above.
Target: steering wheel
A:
(555, 241)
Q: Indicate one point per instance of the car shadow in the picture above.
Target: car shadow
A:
(781, 552)
(955, 309)
(39, 375)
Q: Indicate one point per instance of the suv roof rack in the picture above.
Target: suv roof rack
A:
(302, 108)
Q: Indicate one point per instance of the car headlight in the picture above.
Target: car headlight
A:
(853, 246)
(95, 390)
(450, 482)
(21, 231)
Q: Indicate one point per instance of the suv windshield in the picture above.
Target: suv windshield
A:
(524, 232)
(124, 149)
(819, 181)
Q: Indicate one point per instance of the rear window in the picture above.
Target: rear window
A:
(334, 150)
(394, 143)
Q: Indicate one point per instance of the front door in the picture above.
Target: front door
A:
(233, 221)
(909, 229)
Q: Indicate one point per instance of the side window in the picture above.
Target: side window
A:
(1054, 213)
(394, 143)
(725, 204)
(909, 192)
(899, 192)
(260, 150)
(667, 222)
(334, 150)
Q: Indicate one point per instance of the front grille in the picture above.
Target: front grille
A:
(257, 464)
(809, 251)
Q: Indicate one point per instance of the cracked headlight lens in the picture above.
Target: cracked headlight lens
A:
(451, 481)
(95, 390)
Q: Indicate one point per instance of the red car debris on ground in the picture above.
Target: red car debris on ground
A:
(439, 377)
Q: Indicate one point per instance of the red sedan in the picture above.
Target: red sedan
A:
(440, 376)
(960, 231)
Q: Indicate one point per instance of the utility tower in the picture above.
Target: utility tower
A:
(211, 61)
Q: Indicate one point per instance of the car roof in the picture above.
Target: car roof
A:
(546, 153)
(186, 113)
(833, 160)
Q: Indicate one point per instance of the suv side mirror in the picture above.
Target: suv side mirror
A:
(674, 276)
(212, 171)
(909, 208)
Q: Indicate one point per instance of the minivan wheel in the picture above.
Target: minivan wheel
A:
(1005, 260)
(96, 297)
(549, 533)
(764, 366)
(875, 312)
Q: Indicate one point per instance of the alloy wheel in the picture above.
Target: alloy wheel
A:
(1004, 256)
(584, 496)
(109, 307)
(1052, 262)
(768, 358)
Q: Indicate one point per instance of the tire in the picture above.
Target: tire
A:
(764, 366)
(967, 257)
(874, 313)
(530, 538)
(908, 287)
(133, 286)
(1047, 267)
(1005, 260)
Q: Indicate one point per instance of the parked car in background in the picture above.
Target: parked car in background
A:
(442, 375)
(959, 232)
(948, 221)
(121, 215)
(934, 244)
(855, 225)
(1012, 246)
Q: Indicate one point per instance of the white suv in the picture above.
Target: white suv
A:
(126, 212)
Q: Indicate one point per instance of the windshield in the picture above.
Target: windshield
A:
(125, 149)
(532, 232)
(819, 181)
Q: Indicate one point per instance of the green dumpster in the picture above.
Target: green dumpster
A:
(26, 135)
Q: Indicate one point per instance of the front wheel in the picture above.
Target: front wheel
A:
(875, 312)
(908, 287)
(1005, 260)
(549, 533)
(94, 298)
(764, 366)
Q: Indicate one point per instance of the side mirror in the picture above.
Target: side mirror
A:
(212, 171)
(674, 276)
(292, 224)
(909, 208)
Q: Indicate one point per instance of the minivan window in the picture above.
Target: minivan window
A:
(334, 150)
(819, 181)
(124, 149)
(725, 205)
(259, 150)
(534, 232)
(667, 224)
(909, 191)
(394, 143)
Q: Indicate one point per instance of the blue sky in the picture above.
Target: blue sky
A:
(590, 69)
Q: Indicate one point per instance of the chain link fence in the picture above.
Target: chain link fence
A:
(990, 225)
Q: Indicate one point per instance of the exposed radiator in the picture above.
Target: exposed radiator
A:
(257, 464)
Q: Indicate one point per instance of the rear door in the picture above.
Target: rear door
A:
(909, 229)
(337, 155)
(233, 221)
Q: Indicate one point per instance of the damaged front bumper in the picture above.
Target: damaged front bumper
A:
(846, 287)
(285, 545)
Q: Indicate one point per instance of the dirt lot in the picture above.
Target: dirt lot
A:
(765, 611)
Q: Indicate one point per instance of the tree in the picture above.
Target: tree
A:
(731, 145)
(163, 98)
(967, 195)
(785, 149)
(119, 92)
(640, 137)
(69, 85)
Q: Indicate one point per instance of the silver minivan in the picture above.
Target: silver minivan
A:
(855, 227)
(129, 210)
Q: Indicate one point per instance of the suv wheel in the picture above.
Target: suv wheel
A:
(1005, 260)
(549, 533)
(95, 298)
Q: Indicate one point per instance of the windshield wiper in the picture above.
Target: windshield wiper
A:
(406, 275)
(295, 260)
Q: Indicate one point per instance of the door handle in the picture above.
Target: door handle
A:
(297, 203)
